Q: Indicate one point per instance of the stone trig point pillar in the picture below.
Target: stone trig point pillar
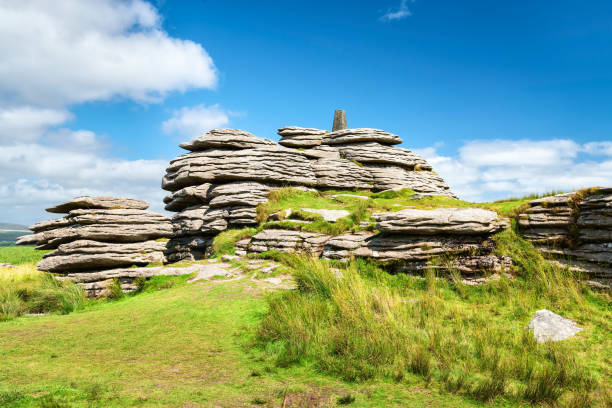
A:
(339, 120)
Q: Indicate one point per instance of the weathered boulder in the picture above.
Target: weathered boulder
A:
(464, 264)
(99, 283)
(456, 221)
(188, 197)
(574, 229)
(239, 193)
(321, 152)
(103, 232)
(419, 248)
(226, 139)
(192, 247)
(388, 177)
(372, 152)
(199, 220)
(360, 135)
(287, 241)
(338, 173)
(548, 326)
(298, 137)
(86, 202)
(88, 255)
(274, 165)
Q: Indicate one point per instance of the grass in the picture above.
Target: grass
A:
(185, 346)
(225, 242)
(359, 210)
(24, 290)
(17, 255)
(468, 341)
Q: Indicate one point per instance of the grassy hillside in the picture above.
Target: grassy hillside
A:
(349, 334)
(185, 346)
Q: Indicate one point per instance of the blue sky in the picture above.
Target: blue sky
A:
(503, 98)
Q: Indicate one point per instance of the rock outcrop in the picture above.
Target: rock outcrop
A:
(460, 237)
(574, 229)
(227, 172)
(100, 233)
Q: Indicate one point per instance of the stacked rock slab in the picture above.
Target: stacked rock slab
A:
(220, 182)
(100, 233)
(575, 229)
(363, 158)
(409, 239)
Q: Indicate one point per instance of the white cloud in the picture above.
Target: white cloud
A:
(518, 152)
(33, 177)
(598, 148)
(192, 122)
(401, 13)
(57, 53)
(496, 169)
(27, 124)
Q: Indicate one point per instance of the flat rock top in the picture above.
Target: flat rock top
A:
(103, 203)
(296, 130)
(440, 220)
(226, 138)
(549, 326)
(361, 135)
(556, 200)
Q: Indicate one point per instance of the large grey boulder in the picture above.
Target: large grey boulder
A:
(192, 248)
(99, 283)
(88, 255)
(338, 173)
(575, 229)
(394, 247)
(274, 165)
(360, 135)
(298, 137)
(226, 139)
(454, 221)
(200, 220)
(102, 232)
(548, 326)
(188, 197)
(373, 152)
(87, 202)
(239, 193)
(389, 177)
(321, 152)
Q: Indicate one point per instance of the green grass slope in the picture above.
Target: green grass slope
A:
(186, 346)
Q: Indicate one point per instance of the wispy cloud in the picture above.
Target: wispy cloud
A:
(399, 14)
(486, 170)
(192, 122)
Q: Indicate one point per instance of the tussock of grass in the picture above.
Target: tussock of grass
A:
(466, 340)
(225, 242)
(360, 210)
(25, 290)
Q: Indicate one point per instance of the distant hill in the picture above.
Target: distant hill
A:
(12, 227)
(9, 233)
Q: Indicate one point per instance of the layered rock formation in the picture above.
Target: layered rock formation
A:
(227, 172)
(100, 233)
(409, 239)
(574, 229)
